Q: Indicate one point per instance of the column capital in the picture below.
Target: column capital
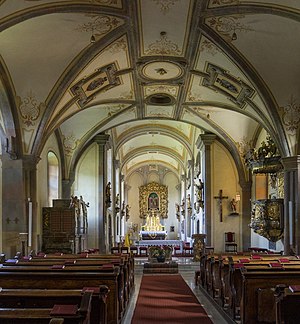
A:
(101, 139)
(291, 163)
(207, 139)
(30, 161)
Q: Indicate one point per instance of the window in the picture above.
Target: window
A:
(53, 177)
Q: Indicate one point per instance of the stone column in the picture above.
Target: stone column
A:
(101, 140)
(207, 140)
(291, 204)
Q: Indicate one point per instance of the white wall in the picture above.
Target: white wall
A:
(86, 185)
(42, 187)
(224, 177)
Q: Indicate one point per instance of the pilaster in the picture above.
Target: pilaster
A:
(101, 140)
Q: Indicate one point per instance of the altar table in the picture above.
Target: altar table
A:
(153, 235)
(161, 242)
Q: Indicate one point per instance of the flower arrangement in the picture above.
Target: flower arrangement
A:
(160, 251)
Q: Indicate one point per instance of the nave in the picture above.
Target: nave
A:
(186, 268)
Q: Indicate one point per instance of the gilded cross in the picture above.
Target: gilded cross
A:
(221, 197)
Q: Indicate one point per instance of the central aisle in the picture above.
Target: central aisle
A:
(187, 270)
(168, 299)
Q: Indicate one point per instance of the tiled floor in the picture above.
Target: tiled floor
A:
(187, 269)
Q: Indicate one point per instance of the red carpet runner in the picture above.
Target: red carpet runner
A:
(167, 299)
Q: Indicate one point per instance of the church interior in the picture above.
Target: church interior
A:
(131, 124)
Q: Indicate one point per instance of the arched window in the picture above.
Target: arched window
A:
(53, 177)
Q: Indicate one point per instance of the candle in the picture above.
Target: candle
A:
(29, 222)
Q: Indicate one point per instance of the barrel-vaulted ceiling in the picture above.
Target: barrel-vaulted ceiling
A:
(154, 73)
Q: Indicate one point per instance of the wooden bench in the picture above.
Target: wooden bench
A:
(221, 277)
(46, 298)
(287, 300)
(70, 313)
(62, 279)
(125, 262)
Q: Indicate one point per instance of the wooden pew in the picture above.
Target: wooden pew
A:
(46, 298)
(125, 262)
(287, 300)
(126, 259)
(53, 279)
(74, 265)
(225, 281)
(71, 314)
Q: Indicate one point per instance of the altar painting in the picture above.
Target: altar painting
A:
(153, 196)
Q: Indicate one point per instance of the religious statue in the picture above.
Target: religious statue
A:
(108, 195)
(84, 207)
(127, 210)
(199, 191)
(117, 203)
(80, 208)
(182, 207)
(123, 210)
(177, 209)
(233, 205)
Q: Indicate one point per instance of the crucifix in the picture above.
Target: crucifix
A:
(221, 197)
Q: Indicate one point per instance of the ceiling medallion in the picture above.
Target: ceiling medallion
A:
(161, 70)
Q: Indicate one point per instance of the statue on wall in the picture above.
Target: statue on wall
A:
(80, 207)
(108, 195)
(84, 206)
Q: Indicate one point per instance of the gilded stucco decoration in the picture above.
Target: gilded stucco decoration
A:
(102, 79)
(227, 26)
(165, 5)
(291, 116)
(193, 96)
(218, 3)
(209, 47)
(127, 95)
(100, 25)
(145, 194)
(30, 109)
(171, 90)
(267, 218)
(244, 146)
(159, 112)
(70, 143)
(106, 2)
(118, 46)
(232, 87)
(111, 111)
(163, 46)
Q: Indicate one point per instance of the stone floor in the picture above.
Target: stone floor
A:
(187, 269)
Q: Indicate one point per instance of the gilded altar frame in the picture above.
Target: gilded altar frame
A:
(147, 191)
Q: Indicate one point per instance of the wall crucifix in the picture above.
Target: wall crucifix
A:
(220, 197)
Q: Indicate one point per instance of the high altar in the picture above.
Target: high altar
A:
(153, 229)
(153, 208)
